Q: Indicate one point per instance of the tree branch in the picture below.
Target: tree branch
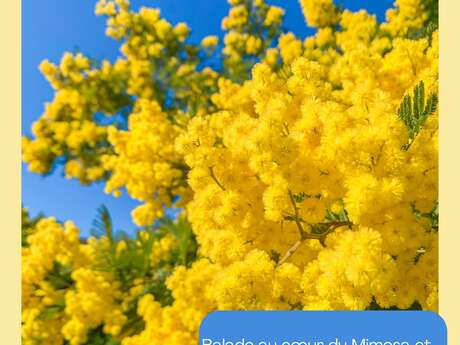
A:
(213, 176)
(321, 237)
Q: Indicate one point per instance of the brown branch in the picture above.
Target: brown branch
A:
(289, 253)
(296, 215)
(286, 128)
(306, 235)
(213, 176)
(309, 236)
(336, 224)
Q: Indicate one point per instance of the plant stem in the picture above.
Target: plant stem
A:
(296, 214)
(290, 251)
(213, 176)
(306, 235)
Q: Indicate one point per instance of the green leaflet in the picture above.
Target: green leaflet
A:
(414, 111)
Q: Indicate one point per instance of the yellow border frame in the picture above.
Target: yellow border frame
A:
(449, 187)
(10, 181)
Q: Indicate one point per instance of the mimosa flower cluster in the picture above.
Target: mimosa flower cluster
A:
(304, 169)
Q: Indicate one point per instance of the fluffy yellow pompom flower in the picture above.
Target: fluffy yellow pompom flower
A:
(210, 41)
(319, 13)
(274, 15)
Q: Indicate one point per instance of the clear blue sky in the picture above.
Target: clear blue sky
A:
(51, 27)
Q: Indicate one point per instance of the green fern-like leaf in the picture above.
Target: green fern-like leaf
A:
(53, 311)
(102, 224)
(28, 224)
(186, 249)
(414, 111)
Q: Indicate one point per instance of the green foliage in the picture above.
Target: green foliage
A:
(98, 337)
(131, 262)
(375, 306)
(431, 23)
(27, 225)
(60, 276)
(432, 10)
(341, 216)
(432, 216)
(135, 259)
(102, 224)
(186, 250)
(413, 112)
(53, 311)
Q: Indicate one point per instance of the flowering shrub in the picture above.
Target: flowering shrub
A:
(305, 171)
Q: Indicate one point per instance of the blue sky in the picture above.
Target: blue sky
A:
(51, 27)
